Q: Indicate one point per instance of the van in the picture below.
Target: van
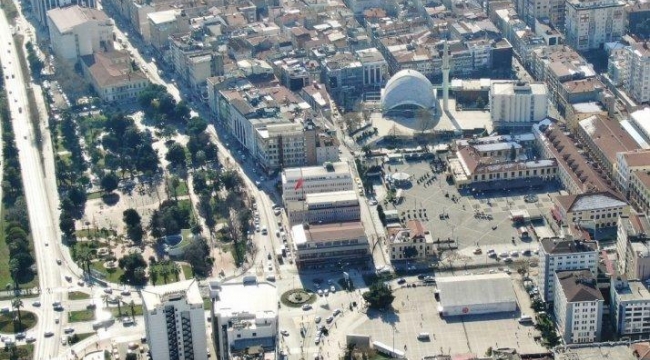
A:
(525, 319)
(423, 336)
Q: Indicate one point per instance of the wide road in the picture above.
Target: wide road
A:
(43, 226)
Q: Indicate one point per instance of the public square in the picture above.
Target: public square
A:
(436, 197)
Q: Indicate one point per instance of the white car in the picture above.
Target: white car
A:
(372, 202)
(332, 289)
(320, 292)
(336, 312)
(317, 319)
(108, 290)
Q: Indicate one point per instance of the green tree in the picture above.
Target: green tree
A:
(513, 153)
(17, 304)
(379, 295)
(133, 223)
(109, 182)
(381, 214)
(14, 270)
(133, 266)
(410, 252)
(176, 155)
(66, 224)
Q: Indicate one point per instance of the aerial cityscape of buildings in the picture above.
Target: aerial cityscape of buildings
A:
(355, 179)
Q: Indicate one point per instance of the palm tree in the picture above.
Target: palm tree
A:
(17, 304)
(132, 304)
(175, 270)
(119, 304)
(14, 269)
(85, 256)
(105, 299)
(164, 272)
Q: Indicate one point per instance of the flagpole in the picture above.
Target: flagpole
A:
(304, 198)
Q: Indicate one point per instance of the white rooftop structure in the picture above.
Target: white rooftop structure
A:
(247, 296)
(641, 119)
(163, 17)
(331, 197)
(590, 202)
(476, 294)
(153, 296)
(407, 88)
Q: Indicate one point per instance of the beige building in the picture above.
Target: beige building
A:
(640, 191)
(517, 104)
(590, 210)
(330, 244)
(633, 246)
(76, 31)
(413, 243)
(327, 207)
(112, 76)
(629, 162)
(279, 145)
(162, 24)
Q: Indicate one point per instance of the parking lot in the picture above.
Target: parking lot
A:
(436, 196)
(416, 312)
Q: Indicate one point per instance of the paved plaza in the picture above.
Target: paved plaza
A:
(461, 224)
(416, 312)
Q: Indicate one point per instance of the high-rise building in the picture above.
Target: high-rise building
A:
(591, 23)
(559, 255)
(175, 321)
(637, 81)
(517, 104)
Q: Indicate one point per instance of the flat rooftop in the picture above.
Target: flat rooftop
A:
(635, 290)
(328, 232)
(475, 289)
(312, 172)
(238, 297)
(153, 296)
(331, 197)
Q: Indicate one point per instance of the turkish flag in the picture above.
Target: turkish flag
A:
(299, 183)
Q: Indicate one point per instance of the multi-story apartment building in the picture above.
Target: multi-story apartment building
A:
(326, 207)
(629, 307)
(517, 104)
(76, 31)
(164, 23)
(373, 66)
(590, 211)
(279, 145)
(113, 77)
(175, 321)
(41, 7)
(329, 177)
(244, 315)
(639, 193)
(633, 246)
(343, 76)
(578, 306)
(194, 61)
(589, 24)
(559, 255)
(322, 245)
(636, 63)
(629, 162)
(413, 243)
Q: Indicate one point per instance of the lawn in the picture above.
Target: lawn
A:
(81, 315)
(78, 295)
(24, 352)
(111, 275)
(7, 322)
(207, 303)
(94, 232)
(187, 271)
(79, 337)
(181, 189)
(95, 195)
(126, 310)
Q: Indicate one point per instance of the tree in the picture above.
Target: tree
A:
(14, 269)
(513, 153)
(196, 254)
(480, 102)
(131, 217)
(423, 119)
(66, 224)
(196, 125)
(133, 266)
(17, 304)
(109, 182)
(176, 155)
(132, 306)
(410, 252)
(381, 214)
(379, 296)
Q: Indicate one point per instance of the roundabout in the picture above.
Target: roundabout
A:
(297, 298)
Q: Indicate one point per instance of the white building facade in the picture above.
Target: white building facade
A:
(329, 177)
(578, 307)
(591, 23)
(517, 104)
(76, 31)
(559, 255)
(630, 307)
(175, 321)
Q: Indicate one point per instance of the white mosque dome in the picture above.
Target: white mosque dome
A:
(407, 88)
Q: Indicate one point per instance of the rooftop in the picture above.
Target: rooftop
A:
(514, 87)
(153, 296)
(475, 289)
(112, 68)
(331, 197)
(328, 232)
(246, 297)
(336, 169)
(579, 285)
(589, 201)
(631, 290)
(557, 246)
(67, 18)
(608, 136)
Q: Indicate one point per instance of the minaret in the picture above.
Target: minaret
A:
(445, 77)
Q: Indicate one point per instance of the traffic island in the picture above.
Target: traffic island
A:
(14, 322)
(297, 298)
